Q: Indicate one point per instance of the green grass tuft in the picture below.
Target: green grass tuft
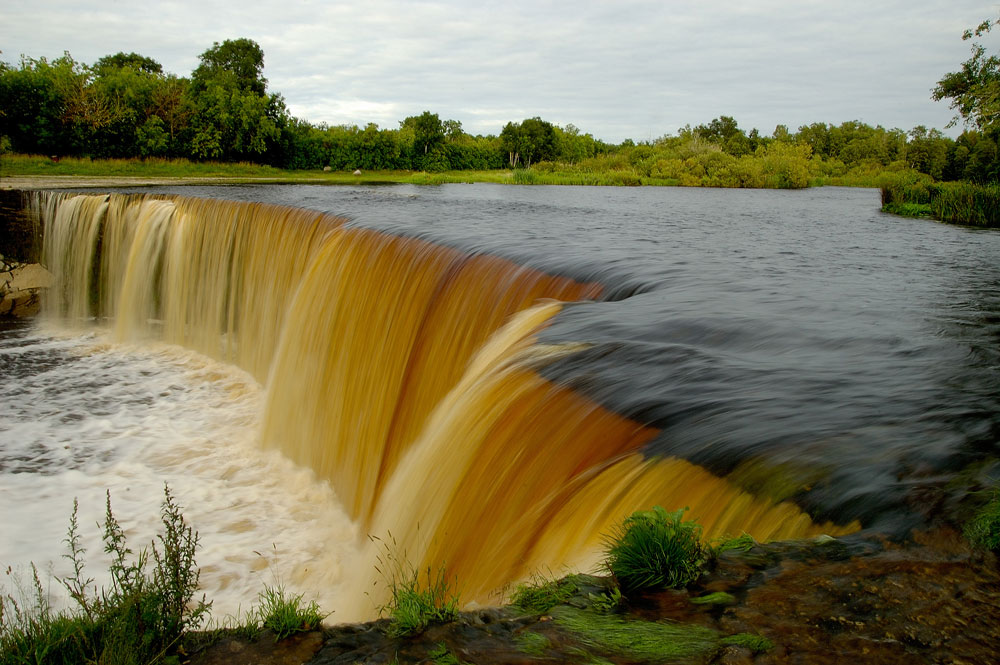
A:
(654, 549)
(916, 210)
(413, 606)
(983, 529)
(440, 655)
(285, 614)
(755, 643)
(636, 639)
(539, 594)
(609, 601)
(717, 598)
(533, 644)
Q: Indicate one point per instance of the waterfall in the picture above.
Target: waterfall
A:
(402, 371)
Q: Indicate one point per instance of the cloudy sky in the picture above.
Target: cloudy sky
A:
(627, 69)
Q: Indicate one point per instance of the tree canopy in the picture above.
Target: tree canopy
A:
(125, 105)
(974, 90)
(234, 62)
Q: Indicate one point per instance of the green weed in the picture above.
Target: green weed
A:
(607, 602)
(636, 639)
(414, 605)
(717, 598)
(755, 643)
(539, 594)
(285, 614)
(440, 655)
(983, 529)
(654, 549)
(139, 619)
(533, 644)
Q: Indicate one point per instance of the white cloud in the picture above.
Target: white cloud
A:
(626, 69)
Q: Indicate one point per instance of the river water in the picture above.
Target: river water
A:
(802, 332)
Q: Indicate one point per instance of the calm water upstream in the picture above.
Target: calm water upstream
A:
(802, 339)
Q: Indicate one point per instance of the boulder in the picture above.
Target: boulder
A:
(20, 289)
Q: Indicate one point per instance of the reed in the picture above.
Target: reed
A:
(965, 203)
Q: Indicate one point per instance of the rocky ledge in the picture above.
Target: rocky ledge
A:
(20, 287)
(858, 600)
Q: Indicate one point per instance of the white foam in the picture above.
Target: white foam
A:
(82, 415)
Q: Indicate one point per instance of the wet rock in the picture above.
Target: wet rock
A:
(20, 288)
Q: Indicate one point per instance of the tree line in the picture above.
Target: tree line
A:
(125, 105)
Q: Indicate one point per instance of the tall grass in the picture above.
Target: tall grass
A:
(965, 203)
(138, 620)
(414, 604)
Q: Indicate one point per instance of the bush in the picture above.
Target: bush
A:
(140, 619)
(654, 549)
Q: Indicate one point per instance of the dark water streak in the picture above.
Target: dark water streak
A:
(804, 330)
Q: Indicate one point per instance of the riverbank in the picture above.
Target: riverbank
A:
(930, 600)
(963, 203)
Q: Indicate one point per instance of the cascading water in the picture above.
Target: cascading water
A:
(408, 374)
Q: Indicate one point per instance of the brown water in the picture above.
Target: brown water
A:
(496, 375)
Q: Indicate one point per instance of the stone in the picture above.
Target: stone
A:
(20, 304)
(31, 276)
(19, 290)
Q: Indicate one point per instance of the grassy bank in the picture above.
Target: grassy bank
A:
(709, 170)
(965, 203)
(182, 169)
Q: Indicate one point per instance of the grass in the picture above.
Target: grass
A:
(152, 168)
(983, 529)
(285, 614)
(539, 595)
(654, 549)
(755, 643)
(140, 619)
(533, 644)
(915, 210)
(414, 605)
(717, 598)
(440, 655)
(609, 171)
(965, 203)
(637, 639)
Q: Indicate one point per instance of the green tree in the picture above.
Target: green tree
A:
(428, 138)
(129, 84)
(237, 63)
(234, 118)
(121, 60)
(974, 90)
(927, 151)
(532, 140)
(725, 131)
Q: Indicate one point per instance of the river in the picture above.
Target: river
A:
(801, 344)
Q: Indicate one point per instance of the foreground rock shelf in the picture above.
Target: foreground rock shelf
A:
(930, 600)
